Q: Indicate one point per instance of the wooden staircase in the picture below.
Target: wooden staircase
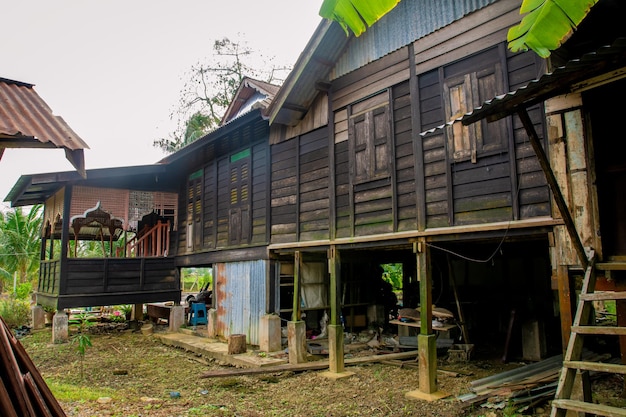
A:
(573, 364)
(150, 242)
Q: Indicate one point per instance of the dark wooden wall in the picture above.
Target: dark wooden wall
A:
(426, 186)
(219, 215)
(300, 198)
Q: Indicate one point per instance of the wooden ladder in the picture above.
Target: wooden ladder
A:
(572, 361)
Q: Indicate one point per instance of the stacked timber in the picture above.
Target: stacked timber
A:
(23, 391)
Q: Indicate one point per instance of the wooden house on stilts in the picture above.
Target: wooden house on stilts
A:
(487, 176)
(372, 164)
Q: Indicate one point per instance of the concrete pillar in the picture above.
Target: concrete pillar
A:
(269, 333)
(211, 326)
(38, 317)
(177, 317)
(296, 339)
(60, 327)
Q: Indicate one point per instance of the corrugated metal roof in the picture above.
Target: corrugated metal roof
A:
(26, 121)
(573, 76)
(325, 57)
(409, 21)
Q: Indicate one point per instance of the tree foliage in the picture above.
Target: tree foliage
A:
(354, 14)
(211, 86)
(20, 240)
(392, 273)
(547, 24)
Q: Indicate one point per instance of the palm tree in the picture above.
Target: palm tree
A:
(20, 237)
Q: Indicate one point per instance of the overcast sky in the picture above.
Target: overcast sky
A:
(114, 69)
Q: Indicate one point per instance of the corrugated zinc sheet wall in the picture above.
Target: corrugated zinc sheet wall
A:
(383, 37)
(240, 298)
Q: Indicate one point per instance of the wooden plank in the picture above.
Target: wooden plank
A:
(596, 330)
(611, 266)
(596, 366)
(309, 366)
(418, 324)
(604, 295)
(591, 408)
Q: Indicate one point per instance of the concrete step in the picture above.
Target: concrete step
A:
(197, 342)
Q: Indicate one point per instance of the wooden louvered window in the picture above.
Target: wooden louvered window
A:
(240, 183)
(369, 138)
(194, 210)
(463, 93)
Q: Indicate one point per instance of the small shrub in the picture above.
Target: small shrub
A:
(15, 312)
(117, 317)
(82, 339)
(22, 292)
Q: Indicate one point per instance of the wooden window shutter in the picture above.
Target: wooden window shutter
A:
(239, 227)
(369, 135)
(360, 132)
(194, 210)
(463, 93)
(381, 153)
(457, 102)
(491, 136)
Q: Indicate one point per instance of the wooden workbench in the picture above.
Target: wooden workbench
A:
(403, 327)
(156, 311)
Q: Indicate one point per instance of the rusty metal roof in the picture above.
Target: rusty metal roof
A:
(577, 74)
(26, 121)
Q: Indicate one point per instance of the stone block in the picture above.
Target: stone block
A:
(269, 333)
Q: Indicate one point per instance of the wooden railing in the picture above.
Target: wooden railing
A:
(85, 282)
(152, 242)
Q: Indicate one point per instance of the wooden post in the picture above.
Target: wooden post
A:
(554, 187)
(335, 353)
(65, 237)
(297, 263)
(296, 328)
(426, 344)
(426, 288)
(620, 306)
(426, 340)
(567, 303)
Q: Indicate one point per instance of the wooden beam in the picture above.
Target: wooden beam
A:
(309, 366)
(566, 303)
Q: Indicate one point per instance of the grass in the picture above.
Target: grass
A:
(71, 392)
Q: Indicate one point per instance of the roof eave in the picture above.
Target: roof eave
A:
(284, 109)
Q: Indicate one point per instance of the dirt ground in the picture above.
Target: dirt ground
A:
(126, 373)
